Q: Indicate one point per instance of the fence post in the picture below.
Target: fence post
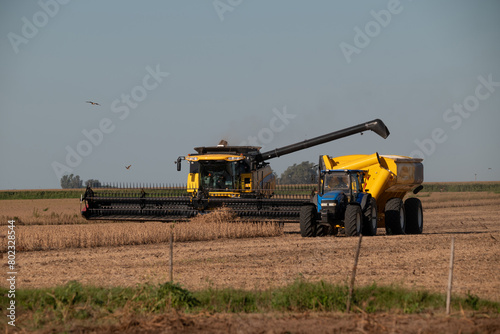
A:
(450, 276)
(172, 256)
(353, 275)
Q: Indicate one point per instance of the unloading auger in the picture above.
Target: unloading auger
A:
(237, 177)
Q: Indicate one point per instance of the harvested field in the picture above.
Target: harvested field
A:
(411, 261)
(219, 224)
(317, 323)
(41, 211)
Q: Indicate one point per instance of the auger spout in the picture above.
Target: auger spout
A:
(376, 126)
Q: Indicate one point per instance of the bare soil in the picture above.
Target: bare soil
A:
(301, 323)
(413, 261)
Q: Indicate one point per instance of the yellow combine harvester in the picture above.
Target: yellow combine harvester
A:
(237, 177)
(362, 192)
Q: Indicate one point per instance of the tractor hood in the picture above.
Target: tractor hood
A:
(332, 195)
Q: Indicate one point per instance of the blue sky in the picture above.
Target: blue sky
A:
(173, 75)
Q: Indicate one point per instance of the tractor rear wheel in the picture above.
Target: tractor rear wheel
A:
(353, 220)
(414, 216)
(308, 221)
(395, 218)
(370, 218)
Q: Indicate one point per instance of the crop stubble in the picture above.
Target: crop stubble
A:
(419, 261)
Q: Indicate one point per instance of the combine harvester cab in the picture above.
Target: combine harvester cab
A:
(237, 177)
(387, 179)
(228, 171)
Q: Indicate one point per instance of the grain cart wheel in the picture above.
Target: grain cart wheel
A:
(414, 216)
(353, 220)
(395, 220)
(308, 221)
(370, 218)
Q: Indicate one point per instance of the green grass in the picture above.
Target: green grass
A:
(73, 302)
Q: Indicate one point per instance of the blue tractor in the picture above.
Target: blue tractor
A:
(341, 206)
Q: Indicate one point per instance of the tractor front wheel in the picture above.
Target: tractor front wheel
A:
(308, 221)
(353, 220)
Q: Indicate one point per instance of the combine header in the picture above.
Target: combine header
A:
(237, 177)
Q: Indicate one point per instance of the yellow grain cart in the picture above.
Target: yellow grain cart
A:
(388, 179)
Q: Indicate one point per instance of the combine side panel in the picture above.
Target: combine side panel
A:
(193, 182)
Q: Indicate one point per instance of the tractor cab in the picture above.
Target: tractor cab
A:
(335, 183)
(341, 191)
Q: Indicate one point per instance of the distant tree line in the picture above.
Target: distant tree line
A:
(74, 181)
(303, 173)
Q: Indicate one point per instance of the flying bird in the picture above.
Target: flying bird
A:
(128, 167)
(93, 103)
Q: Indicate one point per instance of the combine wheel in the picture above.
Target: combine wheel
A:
(395, 219)
(353, 220)
(370, 218)
(308, 221)
(414, 216)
